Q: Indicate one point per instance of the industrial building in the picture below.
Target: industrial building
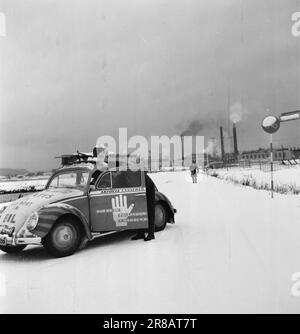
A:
(264, 154)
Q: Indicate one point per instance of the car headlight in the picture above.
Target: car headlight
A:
(32, 222)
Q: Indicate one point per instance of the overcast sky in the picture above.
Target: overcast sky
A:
(72, 70)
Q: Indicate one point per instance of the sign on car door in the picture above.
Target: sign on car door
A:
(119, 202)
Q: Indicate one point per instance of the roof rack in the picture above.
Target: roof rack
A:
(77, 158)
(113, 160)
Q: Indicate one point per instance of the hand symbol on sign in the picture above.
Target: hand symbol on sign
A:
(121, 210)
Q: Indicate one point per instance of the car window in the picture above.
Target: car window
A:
(104, 182)
(72, 179)
(95, 177)
(126, 179)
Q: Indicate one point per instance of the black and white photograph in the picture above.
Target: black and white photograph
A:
(149, 159)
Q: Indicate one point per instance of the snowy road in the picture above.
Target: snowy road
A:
(232, 250)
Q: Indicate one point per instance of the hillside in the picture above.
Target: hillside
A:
(11, 171)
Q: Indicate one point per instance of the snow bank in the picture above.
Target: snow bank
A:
(22, 185)
(285, 180)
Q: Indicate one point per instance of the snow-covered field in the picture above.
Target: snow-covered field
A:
(233, 249)
(21, 185)
(285, 180)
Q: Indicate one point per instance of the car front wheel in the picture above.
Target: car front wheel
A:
(12, 249)
(64, 238)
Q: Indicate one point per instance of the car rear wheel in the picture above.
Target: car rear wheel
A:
(12, 249)
(64, 239)
(161, 217)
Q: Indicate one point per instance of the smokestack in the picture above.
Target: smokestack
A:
(222, 143)
(182, 149)
(235, 141)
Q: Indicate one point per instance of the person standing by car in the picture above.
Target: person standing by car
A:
(100, 153)
(194, 171)
(150, 195)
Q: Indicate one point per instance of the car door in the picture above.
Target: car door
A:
(119, 202)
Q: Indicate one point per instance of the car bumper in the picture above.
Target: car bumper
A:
(6, 240)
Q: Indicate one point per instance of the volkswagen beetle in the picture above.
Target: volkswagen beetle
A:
(78, 204)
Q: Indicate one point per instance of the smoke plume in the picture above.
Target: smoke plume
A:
(213, 148)
(237, 113)
(192, 129)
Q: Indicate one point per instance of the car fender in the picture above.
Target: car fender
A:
(49, 214)
(160, 197)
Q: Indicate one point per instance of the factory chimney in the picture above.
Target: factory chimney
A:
(182, 150)
(222, 143)
(235, 142)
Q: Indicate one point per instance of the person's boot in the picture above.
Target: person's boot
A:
(149, 237)
(138, 236)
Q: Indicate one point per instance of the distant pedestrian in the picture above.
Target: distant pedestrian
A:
(194, 171)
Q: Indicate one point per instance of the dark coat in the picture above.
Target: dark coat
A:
(150, 194)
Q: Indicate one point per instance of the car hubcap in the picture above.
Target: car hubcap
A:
(64, 237)
(159, 216)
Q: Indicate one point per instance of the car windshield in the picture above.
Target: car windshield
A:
(77, 179)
